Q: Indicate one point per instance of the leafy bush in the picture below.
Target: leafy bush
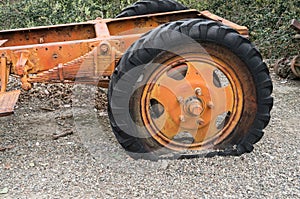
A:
(268, 20)
(28, 13)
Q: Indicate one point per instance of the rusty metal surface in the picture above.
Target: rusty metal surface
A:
(243, 30)
(8, 101)
(3, 74)
(295, 66)
(48, 34)
(295, 25)
(144, 23)
(282, 67)
(57, 53)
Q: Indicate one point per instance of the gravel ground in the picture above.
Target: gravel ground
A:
(89, 163)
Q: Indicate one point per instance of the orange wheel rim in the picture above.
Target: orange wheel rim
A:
(193, 102)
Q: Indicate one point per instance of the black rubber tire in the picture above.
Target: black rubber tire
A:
(144, 7)
(123, 84)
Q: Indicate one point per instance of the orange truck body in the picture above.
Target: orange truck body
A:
(83, 52)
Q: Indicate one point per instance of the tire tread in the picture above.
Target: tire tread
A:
(214, 32)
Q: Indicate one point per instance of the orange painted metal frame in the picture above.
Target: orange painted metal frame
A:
(78, 52)
(58, 53)
(83, 52)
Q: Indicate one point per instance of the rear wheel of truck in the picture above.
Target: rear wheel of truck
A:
(144, 7)
(190, 85)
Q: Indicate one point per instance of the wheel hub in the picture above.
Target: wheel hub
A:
(194, 107)
(193, 102)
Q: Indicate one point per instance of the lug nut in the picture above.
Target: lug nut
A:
(182, 118)
(201, 121)
(180, 100)
(198, 91)
(210, 105)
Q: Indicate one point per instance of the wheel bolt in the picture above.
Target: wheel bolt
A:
(210, 105)
(182, 118)
(198, 91)
(180, 99)
(200, 121)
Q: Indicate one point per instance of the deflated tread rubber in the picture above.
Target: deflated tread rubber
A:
(144, 7)
(200, 30)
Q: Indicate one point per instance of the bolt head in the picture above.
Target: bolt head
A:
(200, 121)
(180, 99)
(210, 105)
(182, 118)
(104, 48)
(198, 91)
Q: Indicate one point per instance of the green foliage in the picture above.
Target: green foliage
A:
(28, 13)
(268, 20)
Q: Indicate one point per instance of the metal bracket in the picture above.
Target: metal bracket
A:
(102, 30)
(23, 65)
(3, 41)
(105, 57)
(4, 73)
